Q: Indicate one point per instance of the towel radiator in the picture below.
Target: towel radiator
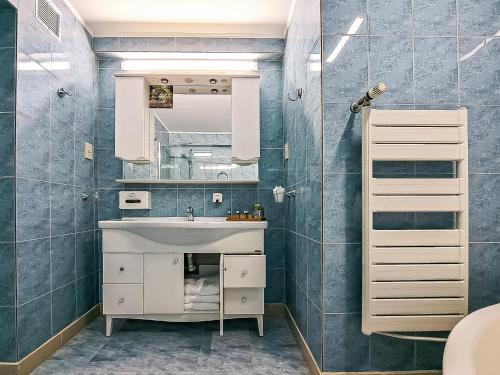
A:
(414, 280)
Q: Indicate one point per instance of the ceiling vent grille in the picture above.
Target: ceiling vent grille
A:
(49, 15)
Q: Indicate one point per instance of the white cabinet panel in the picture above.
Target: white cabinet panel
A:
(122, 268)
(244, 271)
(163, 283)
(122, 298)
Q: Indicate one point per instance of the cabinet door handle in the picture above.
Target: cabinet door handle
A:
(122, 268)
(244, 300)
(244, 273)
(121, 300)
(176, 260)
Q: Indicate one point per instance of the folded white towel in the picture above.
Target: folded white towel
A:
(202, 286)
(201, 306)
(204, 299)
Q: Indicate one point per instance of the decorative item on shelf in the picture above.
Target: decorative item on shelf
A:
(161, 96)
(257, 214)
(297, 97)
(279, 194)
(62, 93)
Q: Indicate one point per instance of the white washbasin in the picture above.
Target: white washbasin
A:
(181, 232)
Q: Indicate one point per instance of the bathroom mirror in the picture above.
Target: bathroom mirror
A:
(192, 125)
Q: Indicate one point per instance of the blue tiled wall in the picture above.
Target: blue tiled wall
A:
(7, 182)
(57, 268)
(431, 54)
(302, 120)
(172, 200)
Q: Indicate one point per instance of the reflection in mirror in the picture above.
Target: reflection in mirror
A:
(193, 139)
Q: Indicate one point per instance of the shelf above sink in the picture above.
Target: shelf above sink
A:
(184, 182)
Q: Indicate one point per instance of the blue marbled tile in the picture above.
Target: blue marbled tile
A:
(7, 274)
(345, 346)
(85, 115)
(62, 210)
(429, 355)
(346, 76)
(435, 17)
(484, 263)
(342, 208)
(108, 204)
(7, 219)
(161, 44)
(7, 27)
(271, 168)
(302, 258)
(291, 254)
(270, 89)
(62, 158)
(194, 198)
(109, 168)
(32, 149)
(314, 331)
(189, 44)
(62, 110)
(32, 37)
(291, 295)
(106, 44)
(274, 247)
(106, 85)
(7, 131)
(62, 257)
(300, 153)
(434, 220)
(106, 128)
(271, 128)
(275, 285)
(342, 278)
(301, 197)
(7, 78)
(85, 262)
(164, 202)
(484, 138)
(217, 209)
(133, 44)
(273, 210)
(479, 70)
(301, 310)
(390, 354)
(479, 17)
(434, 169)
(84, 211)
(338, 16)
(84, 168)
(63, 307)
(257, 45)
(109, 63)
(393, 220)
(436, 70)
(242, 199)
(33, 324)
(313, 208)
(8, 334)
(391, 61)
(484, 224)
(274, 65)
(32, 209)
(85, 294)
(392, 17)
(314, 271)
(342, 139)
(218, 44)
(33, 269)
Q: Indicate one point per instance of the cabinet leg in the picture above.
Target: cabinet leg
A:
(221, 325)
(109, 325)
(260, 322)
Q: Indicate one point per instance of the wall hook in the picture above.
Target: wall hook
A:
(299, 95)
(290, 193)
(62, 92)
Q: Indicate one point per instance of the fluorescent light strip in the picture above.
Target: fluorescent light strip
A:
(352, 30)
(186, 56)
(184, 65)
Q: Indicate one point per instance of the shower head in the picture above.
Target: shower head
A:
(373, 92)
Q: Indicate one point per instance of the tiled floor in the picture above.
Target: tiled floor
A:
(153, 348)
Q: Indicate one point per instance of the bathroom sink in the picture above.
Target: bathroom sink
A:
(178, 231)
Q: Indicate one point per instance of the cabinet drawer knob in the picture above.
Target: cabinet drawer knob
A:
(121, 300)
(244, 273)
(244, 300)
(176, 260)
(122, 268)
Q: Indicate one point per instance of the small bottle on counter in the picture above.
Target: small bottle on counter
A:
(229, 214)
(245, 215)
(237, 216)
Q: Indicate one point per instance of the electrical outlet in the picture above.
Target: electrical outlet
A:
(287, 151)
(88, 152)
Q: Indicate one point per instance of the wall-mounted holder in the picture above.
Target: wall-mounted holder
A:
(85, 195)
(298, 96)
(291, 193)
(62, 92)
(365, 101)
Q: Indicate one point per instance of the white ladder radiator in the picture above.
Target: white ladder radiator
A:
(414, 280)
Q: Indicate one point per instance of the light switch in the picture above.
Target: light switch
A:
(88, 152)
(287, 151)
(217, 198)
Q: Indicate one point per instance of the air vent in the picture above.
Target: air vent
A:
(49, 15)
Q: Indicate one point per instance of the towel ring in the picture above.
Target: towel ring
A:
(299, 95)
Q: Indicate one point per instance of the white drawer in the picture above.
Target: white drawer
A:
(244, 301)
(122, 268)
(244, 271)
(122, 298)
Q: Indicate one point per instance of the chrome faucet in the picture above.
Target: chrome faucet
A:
(189, 212)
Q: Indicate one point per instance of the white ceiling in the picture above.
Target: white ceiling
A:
(257, 18)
